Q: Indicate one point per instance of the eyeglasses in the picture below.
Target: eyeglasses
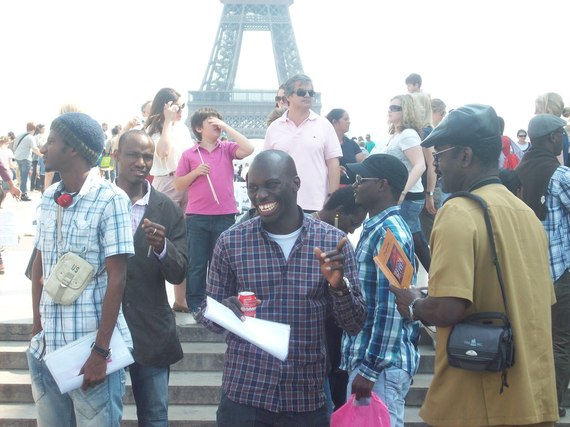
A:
(359, 180)
(437, 154)
(180, 107)
(303, 92)
(522, 136)
(280, 99)
(557, 132)
(394, 108)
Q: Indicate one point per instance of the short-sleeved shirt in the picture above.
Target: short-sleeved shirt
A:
(401, 142)
(310, 145)
(181, 140)
(23, 147)
(97, 225)
(200, 195)
(349, 151)
(462, 267)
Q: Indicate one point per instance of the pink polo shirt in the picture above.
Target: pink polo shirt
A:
(310, 145)
(200, 198)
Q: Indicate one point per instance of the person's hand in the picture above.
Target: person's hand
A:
(404, 298)
(15, 191)
(401, 199)
(234, 304)
(361, 387)
(203, 169)
(36, 327)
(155, 235)
(430, 205)
(218, 123)
(170, 111)
(94, 371)
(332, 264)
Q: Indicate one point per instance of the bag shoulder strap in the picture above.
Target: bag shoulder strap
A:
(489, 227)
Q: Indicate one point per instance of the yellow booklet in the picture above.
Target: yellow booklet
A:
(394, 263)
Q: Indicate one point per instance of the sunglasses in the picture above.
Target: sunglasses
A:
(180, 107)
(303, 92)
(359, 180)
(437, 154)
(522, 135)
(394, 108)
(280, 99)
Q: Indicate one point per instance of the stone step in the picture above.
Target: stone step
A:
(186, 332)
(186, 388)
(198, 356)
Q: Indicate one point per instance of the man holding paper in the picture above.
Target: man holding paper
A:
(383, 357)
(94, 224)
(276, 256)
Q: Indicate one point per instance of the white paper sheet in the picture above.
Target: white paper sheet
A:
(66, 362)
(271, 337)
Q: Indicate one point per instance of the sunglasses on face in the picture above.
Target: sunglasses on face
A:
(437, 154)
(394, 108)
(280, 99)
(180, 107)
(522, 135)
(303, 92)
(359, 180)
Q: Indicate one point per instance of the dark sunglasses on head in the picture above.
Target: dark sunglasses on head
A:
(303, 92)
(522, 135)
(394, 108)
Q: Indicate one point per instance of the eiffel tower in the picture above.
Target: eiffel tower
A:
(247, 110)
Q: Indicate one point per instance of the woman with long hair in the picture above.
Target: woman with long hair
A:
(406, 128)
(351, 152)
(171, 137)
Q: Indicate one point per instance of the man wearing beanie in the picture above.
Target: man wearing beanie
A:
(385, 351)
(464, 280)
(545, 187)
(96, 226)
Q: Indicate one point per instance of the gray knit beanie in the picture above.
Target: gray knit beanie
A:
(83, 133)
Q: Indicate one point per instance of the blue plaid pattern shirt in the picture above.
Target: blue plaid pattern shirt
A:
(386, 339)
(292, 291)
(97, 225)
(557, 222)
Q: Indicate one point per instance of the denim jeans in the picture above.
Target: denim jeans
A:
(24, 166)
(99, 406)
(561, 334)
(391, 387)
(232, 414)
(202, 233)
(150, 388)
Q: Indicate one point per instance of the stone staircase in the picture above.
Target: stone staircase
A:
(195, 381)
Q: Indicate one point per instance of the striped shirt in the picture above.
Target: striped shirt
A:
(95, 226)
(386, 339)
(292, 291)
(557, 222)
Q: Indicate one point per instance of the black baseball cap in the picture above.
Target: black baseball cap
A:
(382, 166)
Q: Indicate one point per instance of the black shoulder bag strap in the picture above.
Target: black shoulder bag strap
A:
(489, 227)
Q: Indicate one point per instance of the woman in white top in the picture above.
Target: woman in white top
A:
(405, 128)
(171, 138)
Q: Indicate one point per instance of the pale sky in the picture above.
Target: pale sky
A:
(110, 56)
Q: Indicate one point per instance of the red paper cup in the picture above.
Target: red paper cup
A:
(248, 300)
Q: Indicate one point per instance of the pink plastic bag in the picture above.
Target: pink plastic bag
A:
(352, 414)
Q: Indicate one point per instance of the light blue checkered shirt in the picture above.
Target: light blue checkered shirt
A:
(386, 339)
(97, 225)
(557, 222)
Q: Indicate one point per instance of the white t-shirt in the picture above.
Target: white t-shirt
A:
(286, 241)
(181, 142)
(6, 155)
(401, 142)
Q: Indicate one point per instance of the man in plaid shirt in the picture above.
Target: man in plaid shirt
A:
(277, 255)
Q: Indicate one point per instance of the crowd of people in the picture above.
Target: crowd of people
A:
(162, 211)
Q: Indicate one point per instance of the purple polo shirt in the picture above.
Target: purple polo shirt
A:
(200, 198)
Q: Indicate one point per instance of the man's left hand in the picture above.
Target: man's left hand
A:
(332, 264)
(404, 298)
(94, 371)
(155, 235)
(361, 387)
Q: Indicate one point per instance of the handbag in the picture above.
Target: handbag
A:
(483, 341)
(354, 414)
(70, 276)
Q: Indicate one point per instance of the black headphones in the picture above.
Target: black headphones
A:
(64, 199)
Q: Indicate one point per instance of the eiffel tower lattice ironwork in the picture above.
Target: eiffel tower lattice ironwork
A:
(247, 110)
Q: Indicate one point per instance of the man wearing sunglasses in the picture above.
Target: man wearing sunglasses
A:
(463, 281)
(310, 140)
(545, 187)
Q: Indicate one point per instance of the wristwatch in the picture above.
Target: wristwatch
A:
(101, 351)
(411, 314)
(429, 193)
(341, 292)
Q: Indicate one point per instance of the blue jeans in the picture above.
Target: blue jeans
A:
(232, 414)
(392, 387)
(24, 166)
(202, 233)
(99, 406)
(150, 388)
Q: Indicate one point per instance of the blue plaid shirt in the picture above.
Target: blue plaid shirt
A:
(557, 222)
(292, 291)
(97, 225)
(386, 339)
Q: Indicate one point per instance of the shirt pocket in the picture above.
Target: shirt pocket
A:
(80, 240)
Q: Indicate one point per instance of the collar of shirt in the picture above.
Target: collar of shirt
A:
(197, 146)
(91, 179)
(372, 223)
(285, 117)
